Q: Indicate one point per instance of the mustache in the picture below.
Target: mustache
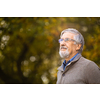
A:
(62, 47)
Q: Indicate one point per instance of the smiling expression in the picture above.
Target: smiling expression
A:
(69, 46)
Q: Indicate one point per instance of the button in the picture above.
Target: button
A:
(63, 74)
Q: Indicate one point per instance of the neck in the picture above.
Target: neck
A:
(70, 56)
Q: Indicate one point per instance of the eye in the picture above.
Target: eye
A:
(66, 39)
(60, 40)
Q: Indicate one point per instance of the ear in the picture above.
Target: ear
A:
(78, 46)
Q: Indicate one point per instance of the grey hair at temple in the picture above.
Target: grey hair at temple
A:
(78, 37)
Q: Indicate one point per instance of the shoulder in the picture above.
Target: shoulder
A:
(88, 64)
(91, 72)
(84, 61)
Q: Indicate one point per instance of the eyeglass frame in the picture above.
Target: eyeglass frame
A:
(66, 39)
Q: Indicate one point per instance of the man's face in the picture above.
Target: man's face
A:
(68, 48)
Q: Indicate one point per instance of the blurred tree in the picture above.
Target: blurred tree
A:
(29, 46)
(26, 46)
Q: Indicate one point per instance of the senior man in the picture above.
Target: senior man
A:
(75, 68)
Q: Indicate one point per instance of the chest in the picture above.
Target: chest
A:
(72, 75)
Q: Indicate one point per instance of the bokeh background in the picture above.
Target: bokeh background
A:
(29, 48)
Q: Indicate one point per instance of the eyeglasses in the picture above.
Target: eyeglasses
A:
(67, 39)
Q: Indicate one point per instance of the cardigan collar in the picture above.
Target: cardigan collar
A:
(74, 60)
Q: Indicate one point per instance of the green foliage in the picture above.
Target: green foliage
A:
(29, 46)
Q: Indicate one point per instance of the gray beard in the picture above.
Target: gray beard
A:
(64, 54)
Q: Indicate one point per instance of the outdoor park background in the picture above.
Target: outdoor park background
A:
(29, 48)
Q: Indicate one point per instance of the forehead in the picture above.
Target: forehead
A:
(68, 35)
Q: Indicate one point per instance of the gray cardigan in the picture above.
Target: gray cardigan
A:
(79, 71)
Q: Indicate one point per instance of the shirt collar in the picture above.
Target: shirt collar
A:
(75, 58)
(70, 60)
